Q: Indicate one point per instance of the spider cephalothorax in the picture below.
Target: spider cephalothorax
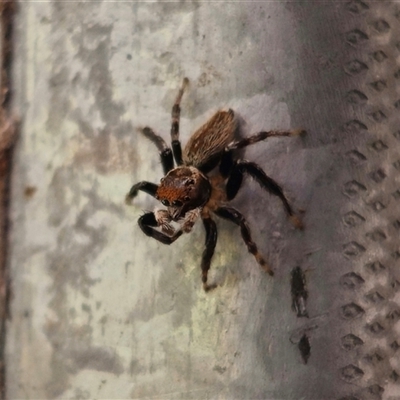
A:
(183, 189)
(187, 191)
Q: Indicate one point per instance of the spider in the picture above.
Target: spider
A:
(190, 190)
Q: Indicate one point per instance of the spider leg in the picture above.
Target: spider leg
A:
(148, 222)
(144, 186)
(226, 164)
(267, 183)
(175, 116)
(239, 144)
(167, 160)
(211, 240)
(237, 218)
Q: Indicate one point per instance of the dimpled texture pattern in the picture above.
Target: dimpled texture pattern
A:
(370, 289)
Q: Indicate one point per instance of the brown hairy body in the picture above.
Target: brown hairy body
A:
(208, 175)
(210, 140)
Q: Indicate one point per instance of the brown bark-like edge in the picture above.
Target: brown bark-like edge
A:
(7, 139)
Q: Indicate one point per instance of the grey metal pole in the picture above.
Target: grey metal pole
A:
(100, 310)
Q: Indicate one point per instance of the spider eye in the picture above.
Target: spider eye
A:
(189, 182)
(177, 203)
(165, 203)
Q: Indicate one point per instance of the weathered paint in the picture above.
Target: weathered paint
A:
(101, 311)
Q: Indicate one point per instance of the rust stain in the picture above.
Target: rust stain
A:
(8, 131)
(30, 191)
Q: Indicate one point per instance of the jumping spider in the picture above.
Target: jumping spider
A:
(189, 193)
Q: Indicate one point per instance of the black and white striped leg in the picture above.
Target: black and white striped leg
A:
(258, 137)
(176, 114)
(148, 222)
(237, 218)
(235, 181)
(211, 241)
(167, 160)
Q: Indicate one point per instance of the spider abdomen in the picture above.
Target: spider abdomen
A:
(209, 141)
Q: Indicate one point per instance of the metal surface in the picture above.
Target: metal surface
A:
(101, 311)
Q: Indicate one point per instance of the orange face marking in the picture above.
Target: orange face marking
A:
(184, 187)
(171, 193)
